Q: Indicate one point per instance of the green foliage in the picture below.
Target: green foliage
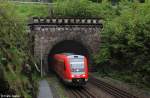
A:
(97, 1)
(13, 50)
(12, 31)
(126, 40)
(30, 10)
(74, 8)
(83, 9)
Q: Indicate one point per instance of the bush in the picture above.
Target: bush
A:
(13, 51)
(127, 39)
(83, 9)
(74, 8)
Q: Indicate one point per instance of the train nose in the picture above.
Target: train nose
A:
(78, 76)
(75, 76)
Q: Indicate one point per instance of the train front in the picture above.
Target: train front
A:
(78, 69)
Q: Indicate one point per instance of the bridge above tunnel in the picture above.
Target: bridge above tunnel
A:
(50, 36)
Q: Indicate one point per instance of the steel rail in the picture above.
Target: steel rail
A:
(89, 94)
(81, 92)
(75, 94)
(118, 93)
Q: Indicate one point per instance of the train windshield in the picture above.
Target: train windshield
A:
(77, 66)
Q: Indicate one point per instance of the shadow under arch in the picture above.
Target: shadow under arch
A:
(68, 46)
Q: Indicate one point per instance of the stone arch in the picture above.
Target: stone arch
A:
(69, 46)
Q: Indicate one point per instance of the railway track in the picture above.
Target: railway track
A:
(80, 92)
(116, 92)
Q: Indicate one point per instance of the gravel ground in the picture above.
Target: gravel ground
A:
(91, 88)
(97, 91)
(60, 90)
(57, 87)
(54, 91)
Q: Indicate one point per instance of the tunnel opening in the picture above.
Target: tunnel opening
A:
(68, 46)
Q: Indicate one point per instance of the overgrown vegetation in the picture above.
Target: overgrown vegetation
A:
(125, 51)
(16, 79)
(75, 8)
(27, 10)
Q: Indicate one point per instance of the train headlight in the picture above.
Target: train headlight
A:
(83, 75)
(72, 76)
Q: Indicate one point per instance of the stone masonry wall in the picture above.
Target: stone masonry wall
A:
(48, 35)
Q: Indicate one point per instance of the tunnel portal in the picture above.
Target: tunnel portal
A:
(52, 35)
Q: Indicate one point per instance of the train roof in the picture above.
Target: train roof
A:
(73, 55)
(68, 54)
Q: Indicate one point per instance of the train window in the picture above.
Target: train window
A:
(77, 67)
(75, 56)
(76, 60)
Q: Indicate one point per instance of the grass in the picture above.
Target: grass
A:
(27, 11)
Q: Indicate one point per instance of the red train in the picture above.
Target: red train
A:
(71, 68)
